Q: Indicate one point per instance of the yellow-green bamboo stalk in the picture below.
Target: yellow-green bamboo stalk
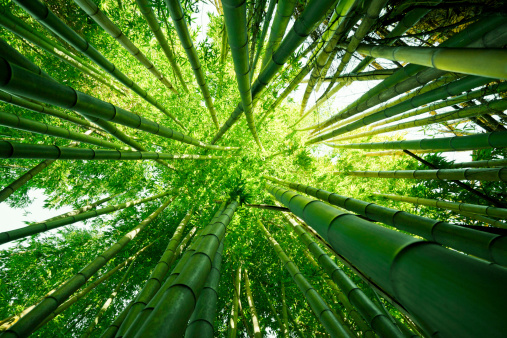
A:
(233, 319)
(251, 304)
(489, 174)
(401, 153)
(483, 219)
(480, 164)
(107, 25)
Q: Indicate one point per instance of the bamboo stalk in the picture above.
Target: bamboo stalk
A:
(251, 304)
(232, 330)
(401, 263)
(30, 321)
(478, 164)
(260, 43)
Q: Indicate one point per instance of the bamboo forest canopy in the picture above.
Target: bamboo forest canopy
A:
(253, 168)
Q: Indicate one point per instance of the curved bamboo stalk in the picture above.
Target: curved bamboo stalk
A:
(232, 330)
(465, 207)
(486, 33)
(176, 305)
(303, 26)
(176, 12)
(251, 304)
(156, 278)
(44, 89)
(491, 106)
(16, 122)
(478, 164)
(283, 14)
(23, 150)
(459, 60)
(30, 321)
(36, 228)
(348, 293)
(41, 13)
(497, 139)
(474, 242)
(145, 8)
(401, 263)
(145, 313)
(319, 306)
(236, 23)
(201, 323)
(110, 28)
(453, 88)
(107, 303)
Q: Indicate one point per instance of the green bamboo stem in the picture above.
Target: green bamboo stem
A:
(378, 74)
(273, 310)
(30, 321)
(479, 164)
(458, 60)
(402, 153)
(22, 150)
(260, 43)
(177, 303)
(44, 90)
(496, 139)
(294, 324)
(322, 311)
(483, 219)
(41, 13)
(232, 330)
(497, 88)
(149, 15)
(36, 228)
(303, 26)
(474, 242)
(110, 28)
(201, 323)
(17, 122)
(255, 28)
(486, 31)
(401, 264)
(453, 88)
(17, 27)
(236, 23)
(283, 13)
(475, 174)
(107, 303)
(462, 207)
(285, 316)
(156, 278)
(83, 209)
(348, 293)
(491, 106)
(176, 12)
(251, 304)
(145, 313)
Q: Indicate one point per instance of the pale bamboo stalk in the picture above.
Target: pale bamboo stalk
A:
(489, 174)
(478, 164)
(251, 304)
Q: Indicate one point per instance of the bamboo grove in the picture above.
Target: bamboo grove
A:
(362, 194)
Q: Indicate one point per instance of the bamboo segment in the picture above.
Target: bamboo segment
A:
(36, 228)
(156, 278)
(29, 322)
(304, 25)
(22, 150)
(474, 242)
(489, 174)
(177, 303)
(236, 23)
(21, 123)
(401, 153)
(232, 331)
(489, 107)
(487, 33)
(459, 60)
(453, 88)
(363, 76)
(201, 323)
(176, 12)
(318, 305)
(349, 293)
(148, 310)
(465, 207)
(107, 25)
(148, 14)
(478, 164)
(251, 304)
(106, 304)
(283, 14)
(496, 139)
(285, 311)
(17, 80)
(41, 13)
(260, 43)
(483, 219)
(451, 284)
